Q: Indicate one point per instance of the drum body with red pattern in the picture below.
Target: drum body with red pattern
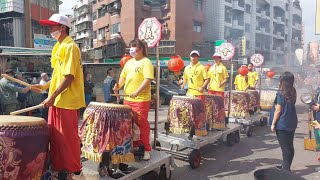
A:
(107, 128)
(23, 147)
(254, 99)
(185, 112)
(239, 104)
(215, 112)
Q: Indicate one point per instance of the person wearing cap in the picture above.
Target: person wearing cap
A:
(253, 77)
(65, 99)
(218, 74)
(8, 92)
(241, 82)
(196, 76)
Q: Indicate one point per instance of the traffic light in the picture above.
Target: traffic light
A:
(242, 44)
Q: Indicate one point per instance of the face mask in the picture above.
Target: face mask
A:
(56, 34)
(133, 52)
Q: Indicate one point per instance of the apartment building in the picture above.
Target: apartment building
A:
(272, 28)
(116, 22)
(81, 20)
(19, 20)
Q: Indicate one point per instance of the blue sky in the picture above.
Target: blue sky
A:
(308, 8)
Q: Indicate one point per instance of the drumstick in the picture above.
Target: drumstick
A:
(119, 95)
(27, 109)
(20, 82)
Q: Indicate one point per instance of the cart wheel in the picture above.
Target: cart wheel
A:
(237, 137)
(194, 158)
(231, 139)
(123, 167)
(243, 129)
(103, 170)
(151, 175)
(163, 173)
(249, 131)
(158, 144)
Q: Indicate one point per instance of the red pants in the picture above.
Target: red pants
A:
(64, 139)
(217, 93)
(140, 111)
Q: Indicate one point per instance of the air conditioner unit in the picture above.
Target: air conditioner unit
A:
(101, 37)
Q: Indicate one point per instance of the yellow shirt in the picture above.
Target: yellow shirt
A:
(195, 76)
(252, 78)
(135, 72)
(66, 60)
(241, 83)
(217, 74)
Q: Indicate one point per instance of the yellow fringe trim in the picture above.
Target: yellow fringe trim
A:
(115, 159)
(201, 133)
(178, 130)
(219, 126)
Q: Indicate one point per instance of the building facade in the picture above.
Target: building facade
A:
(272, 28)
(19, 20)
(81, 30)
(116, 23)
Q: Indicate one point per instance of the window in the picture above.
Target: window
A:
(197, 26)
(101, 13)
(94, 34)
(248, 8)
(198, 4)
(247, 27)
(94, 16)
(115, 28)
(102, 32)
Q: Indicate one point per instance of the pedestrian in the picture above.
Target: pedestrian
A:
(88, 88)
(44, 95)
(8, 92)
(253, 77)
(108, 85)
(22, 97)
(136, 77)
(241, 82)
(65, 98)
(284, 120)
(196, 76)
(218, 74)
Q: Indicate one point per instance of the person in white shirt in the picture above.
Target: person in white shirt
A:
(43, 81)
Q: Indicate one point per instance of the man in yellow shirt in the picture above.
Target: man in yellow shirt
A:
(241, 82)
(218, 77)
(196, 76)
(136, 78)
(253, 77)
(65, 98)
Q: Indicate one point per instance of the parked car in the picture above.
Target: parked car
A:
(166, 91)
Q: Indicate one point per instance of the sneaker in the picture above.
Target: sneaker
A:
(279, 167)
(146, 156)
(77, 177)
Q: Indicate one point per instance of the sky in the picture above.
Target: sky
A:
(308, 17)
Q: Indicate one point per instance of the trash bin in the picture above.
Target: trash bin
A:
(275, 174)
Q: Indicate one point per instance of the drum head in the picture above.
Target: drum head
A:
(110, 105)
(6, 120)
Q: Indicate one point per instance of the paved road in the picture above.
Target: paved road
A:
(240, 161)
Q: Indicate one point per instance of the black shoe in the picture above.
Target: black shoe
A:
(279, 167)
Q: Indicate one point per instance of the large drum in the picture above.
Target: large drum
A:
(239, 104)
(254, 102)
(23, 147)
(215, 112)
(107, 128)
(185, 113)
(267, 98)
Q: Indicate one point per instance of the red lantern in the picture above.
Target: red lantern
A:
(243, 70)
(208, 67)
(125, 59)
(270, 74)
(175, 64)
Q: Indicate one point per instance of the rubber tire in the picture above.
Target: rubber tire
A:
(123, 167)
(163, 173)
(237, 137)
(249, 131)
(231, 139)
(195, 158)
(152, 175)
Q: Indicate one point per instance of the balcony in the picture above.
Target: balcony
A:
(279, 35)
(236, 25)
(279, 20)
(297, 26)
(87, 18)
(237, 6)
(84, 35)
(83, 10)
(228, 3)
